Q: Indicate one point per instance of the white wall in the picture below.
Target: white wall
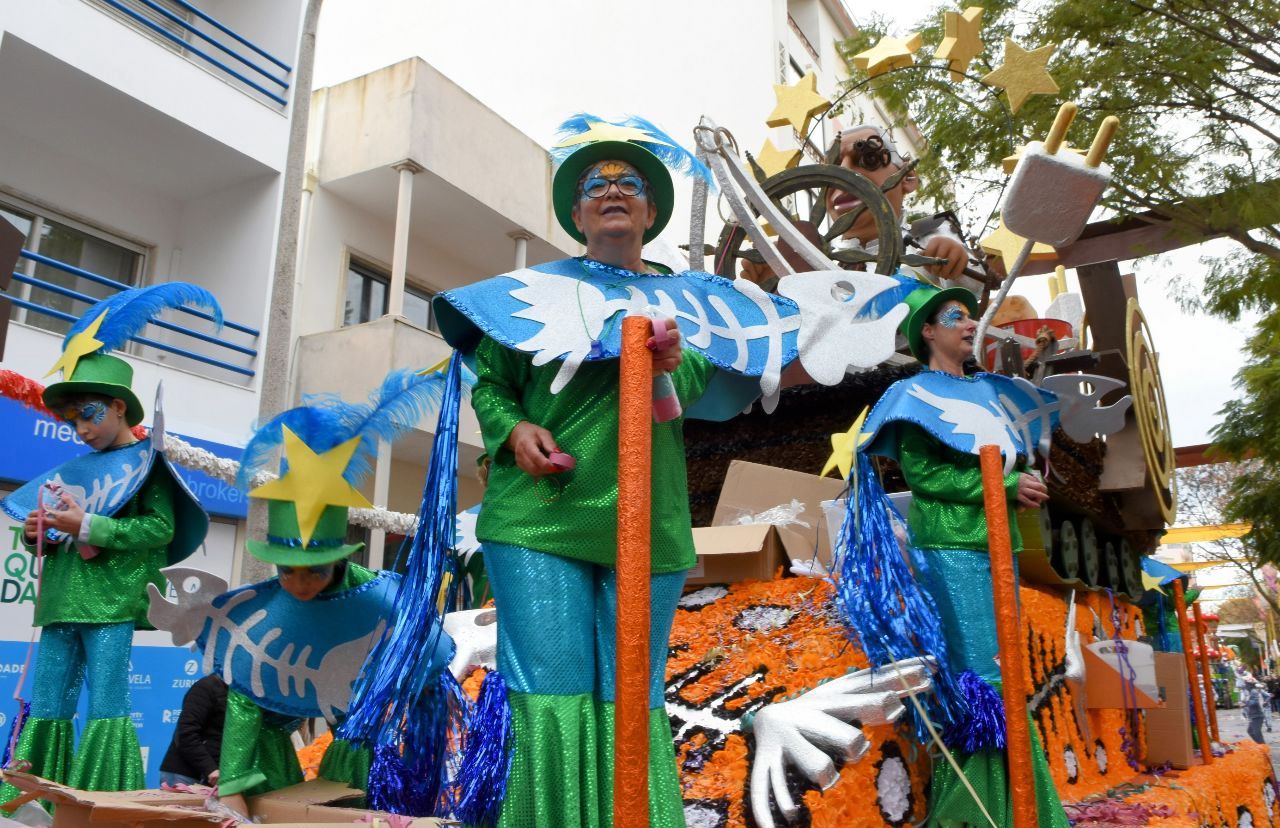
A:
(336, 226)
(88, 38)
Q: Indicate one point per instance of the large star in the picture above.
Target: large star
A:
(313, 482)
(81, 345)
(601, 131)
(773, 160)
(960, 43)
(798, 104)
(1005, 244)
(1151, 582)
(1023, 73)
(889, 53)
(843, 447)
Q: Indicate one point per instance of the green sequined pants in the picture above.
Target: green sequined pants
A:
(562, 770)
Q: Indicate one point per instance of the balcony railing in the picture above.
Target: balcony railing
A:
(249, 353)
(213, 45)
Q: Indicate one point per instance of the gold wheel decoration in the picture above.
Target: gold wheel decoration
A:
(1151, 412)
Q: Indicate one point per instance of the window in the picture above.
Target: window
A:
(367, 296)
(73, 244)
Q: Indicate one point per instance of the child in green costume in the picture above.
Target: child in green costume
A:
(111, 520)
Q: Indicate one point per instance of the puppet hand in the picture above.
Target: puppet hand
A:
(945, 247)
(1031, 491)
(475, 635)
(806, 731)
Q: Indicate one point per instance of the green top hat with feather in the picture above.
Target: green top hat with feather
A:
(328, 448)
(923, 302)
(586, 140)
(84, 362)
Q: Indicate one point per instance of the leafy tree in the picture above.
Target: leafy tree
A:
(1196, 85)
(1204, 499)
(1238, 611)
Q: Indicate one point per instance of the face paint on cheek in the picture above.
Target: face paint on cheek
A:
(94, 412)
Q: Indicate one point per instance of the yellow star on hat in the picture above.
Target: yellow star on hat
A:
(960, 43)
(1023, 73)
(1151, 582)
(798, 104)
(81, 345)
(844, 445)
(773, 160)
(1006, 245)
(889, 53)
(600, 131)
(313, 482)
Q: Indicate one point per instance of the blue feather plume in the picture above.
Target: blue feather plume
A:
(883, 609)
(323, 421)
(668, 149)
(129, 311)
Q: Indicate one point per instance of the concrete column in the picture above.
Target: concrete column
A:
(400, 248)
(521, 238)
(381, 490)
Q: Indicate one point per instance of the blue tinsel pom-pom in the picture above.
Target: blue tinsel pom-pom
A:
(984, 727)
(486, 761)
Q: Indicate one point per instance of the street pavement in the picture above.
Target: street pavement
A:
(1233, 727)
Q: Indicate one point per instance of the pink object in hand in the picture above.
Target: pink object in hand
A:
(87, 551)
(666, 405)
(562, 461)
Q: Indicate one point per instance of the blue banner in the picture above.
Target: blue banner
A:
(36, 443)
(159, 678)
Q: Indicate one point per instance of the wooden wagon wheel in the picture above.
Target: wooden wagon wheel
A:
(802, 194)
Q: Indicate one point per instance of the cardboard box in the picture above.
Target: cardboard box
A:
(730, 554)
(307, 803)
(1169, 727)
(751, 488)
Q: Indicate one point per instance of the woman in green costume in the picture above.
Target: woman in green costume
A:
(948, 530)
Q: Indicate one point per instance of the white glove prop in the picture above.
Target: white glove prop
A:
(475, 635)
(808, 730)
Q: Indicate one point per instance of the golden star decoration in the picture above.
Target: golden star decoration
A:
(1006, 245)
(798, 104)
(1023, 73)
(439, 368)
(1010, 162)
(960, 43)
(601, 131)
(81, 345)
(844, 445)
(773, 160)
(313, 482)
(889, 53)
(1151, 582)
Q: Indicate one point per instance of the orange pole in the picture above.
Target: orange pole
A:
(1004, 588)
(1184, 628)
(631, 709)
(1204, 671)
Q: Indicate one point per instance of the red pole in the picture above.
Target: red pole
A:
(1202, 729)
(1004, 588)
(635, 438)
(1204, 671)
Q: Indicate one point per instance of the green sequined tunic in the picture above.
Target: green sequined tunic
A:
(112, 586)
(575, 514)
